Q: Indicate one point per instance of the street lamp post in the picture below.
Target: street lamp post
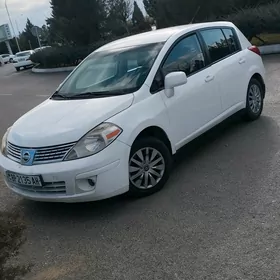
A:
(12, 24)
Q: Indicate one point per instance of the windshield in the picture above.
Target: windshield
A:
(23, 54)
(111, 72)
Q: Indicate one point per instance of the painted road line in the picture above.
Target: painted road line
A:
(6, 94)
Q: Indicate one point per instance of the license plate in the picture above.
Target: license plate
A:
(21, 59)
(25, 180)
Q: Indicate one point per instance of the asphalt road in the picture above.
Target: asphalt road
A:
(217, 218)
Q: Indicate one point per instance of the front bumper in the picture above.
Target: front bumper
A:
(108, 170)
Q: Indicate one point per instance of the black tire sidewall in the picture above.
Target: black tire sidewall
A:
(249, 115)
(161, 147)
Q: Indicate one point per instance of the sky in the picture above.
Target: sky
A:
(36, 10)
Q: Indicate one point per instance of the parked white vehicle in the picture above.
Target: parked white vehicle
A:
(113, 125)
(22, 59)
(7, 58)
(1, 61)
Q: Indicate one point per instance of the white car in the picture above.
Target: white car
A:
(7, 58)
(22, 59)
(116, 121)
(1, 61)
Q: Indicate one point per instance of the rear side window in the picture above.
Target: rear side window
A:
(216, 44)
(186, 56)
(231, 40)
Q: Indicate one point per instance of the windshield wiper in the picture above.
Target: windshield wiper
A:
(57, 95)
(97, 94)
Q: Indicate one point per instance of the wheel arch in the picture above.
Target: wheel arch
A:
(157, 132)
(259, 77)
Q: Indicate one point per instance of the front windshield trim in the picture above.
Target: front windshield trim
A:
(112, 71)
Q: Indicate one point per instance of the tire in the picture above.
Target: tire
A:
(18, 69)
(254, 101)
(148, 180)
(11, 60)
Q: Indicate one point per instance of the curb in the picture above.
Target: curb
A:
(53, 70)
(270, 49)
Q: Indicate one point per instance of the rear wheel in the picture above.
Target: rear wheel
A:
(11, 60)
(255, 97)
(149, 166)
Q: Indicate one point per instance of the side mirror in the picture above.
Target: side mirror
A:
(172, 80)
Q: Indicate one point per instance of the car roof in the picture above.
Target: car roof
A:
(159, 35)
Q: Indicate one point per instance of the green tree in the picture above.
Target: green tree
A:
(138, 19)
(175, 12)
(151, 7)
(31, 39)
(77, 22)
(26, 38)
(119, 12)
(45, 35)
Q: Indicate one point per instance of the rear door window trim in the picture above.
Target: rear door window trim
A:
(221, 28)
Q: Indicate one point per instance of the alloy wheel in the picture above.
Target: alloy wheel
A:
(255, 98)
(146, 168)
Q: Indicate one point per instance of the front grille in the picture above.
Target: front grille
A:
(42, 155)
(13, 152)
(48, 188)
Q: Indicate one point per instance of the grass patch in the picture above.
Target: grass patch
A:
(266, 39)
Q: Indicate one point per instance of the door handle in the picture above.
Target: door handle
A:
(242, 60)
(209, 78)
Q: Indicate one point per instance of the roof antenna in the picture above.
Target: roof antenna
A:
(197, 10)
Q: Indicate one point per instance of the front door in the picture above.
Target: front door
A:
(197, 102)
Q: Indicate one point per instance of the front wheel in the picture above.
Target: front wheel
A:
(18, 69)
(255, 99)
(149, 166)
(11, 60)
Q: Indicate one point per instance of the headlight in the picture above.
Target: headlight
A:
(95, 141)
(4, 142)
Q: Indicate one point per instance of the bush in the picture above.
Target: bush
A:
(11, 230)
(60, 56)
(66, 55)
(254, 21)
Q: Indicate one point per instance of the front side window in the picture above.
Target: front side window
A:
(186, 56)
(111, 72)
(216, 43)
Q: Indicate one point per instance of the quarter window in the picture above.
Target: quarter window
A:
(231, 40)
(216, 43)
(186, 56)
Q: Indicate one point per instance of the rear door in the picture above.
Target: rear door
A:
(228, 64)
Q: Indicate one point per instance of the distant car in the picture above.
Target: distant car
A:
(41, 48)
(22, 59)
(7, 58)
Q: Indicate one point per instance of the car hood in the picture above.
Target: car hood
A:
(56, 122)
